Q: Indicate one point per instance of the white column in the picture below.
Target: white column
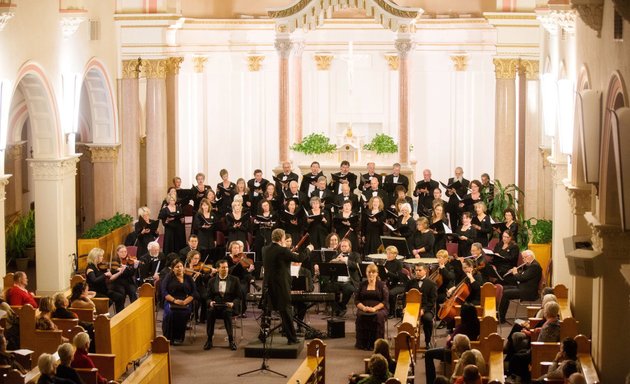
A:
(4, 180)
(130, 136)
(55, 222)
(562, 225)
(505, 120)
(461, 136)
(283, 46)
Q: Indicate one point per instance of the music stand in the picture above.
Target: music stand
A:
(399, 242)
(323, 255)
(333, 270)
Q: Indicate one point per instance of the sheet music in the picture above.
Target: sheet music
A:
(446, 228)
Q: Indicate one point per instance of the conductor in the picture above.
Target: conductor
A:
(277, 280)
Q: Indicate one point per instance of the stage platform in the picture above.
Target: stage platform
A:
(277, 348)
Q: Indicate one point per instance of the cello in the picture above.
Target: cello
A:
(459, 296)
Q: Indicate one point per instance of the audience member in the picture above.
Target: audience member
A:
(378, 370)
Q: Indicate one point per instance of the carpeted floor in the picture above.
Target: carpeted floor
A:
(191, 364)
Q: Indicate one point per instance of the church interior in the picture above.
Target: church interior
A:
(104, 103)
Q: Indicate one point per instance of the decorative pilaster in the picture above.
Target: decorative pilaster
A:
(460, 62)
(199, 63)
(393, 61)
(55, 221)
(298, 49)
(403, 45)
(131, 68)
(156, 125)
(591, 12)
(254, 61)
(505, 120)
(13, 165)
(70, 20)
(172, 113)
(4, 181)
(323, 61)
(283, 46)
(579, 200)
(103, 159)
(130, 134)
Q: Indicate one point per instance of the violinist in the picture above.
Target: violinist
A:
(241, 267)
(193, 268)
(528, 278)
(317, 223)
(125, 283)
(508, 251)
(396, 278)
(145, 230)
(264, 223)
(199, 191)
(481, 223)
(422, 239)
(428, 289)
(446, 277)
(465, 235)
(152, 263)
(346, 224)
(98, 276)
(204, 227)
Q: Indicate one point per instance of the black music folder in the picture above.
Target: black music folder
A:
(399, 242)
(500, 226)
(323, 255)
(333, 269)
(153, 225)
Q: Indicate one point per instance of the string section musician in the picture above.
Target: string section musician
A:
(277, 280)
(428, 289)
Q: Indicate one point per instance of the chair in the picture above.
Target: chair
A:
(132, 251)
(452, 248)
(493, 243)
(525, 303)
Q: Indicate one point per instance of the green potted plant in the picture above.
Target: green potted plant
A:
(506, 197)
(314, 144)
(20, 235)
(540, 235)
(105, 234)
(381, 144)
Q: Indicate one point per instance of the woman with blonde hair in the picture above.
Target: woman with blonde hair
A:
(145, 230)
(372, 301)
(98, 278)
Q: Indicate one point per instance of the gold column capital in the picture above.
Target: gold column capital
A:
(199, 63)
(323, 61)
(254, 62)
(530, 68)
(505, 68)
(131, 68)
(460, 62)
(154, 68)
(103, 153)
(393, 61)
(16, 151)
(172, 65)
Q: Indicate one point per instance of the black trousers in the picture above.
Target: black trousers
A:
(286, 315)
(215, 313)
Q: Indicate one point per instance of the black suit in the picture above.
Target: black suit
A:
(307, 180)
(453, 201)
(352, 182)
(325, 196)
(300, 198)
(259, 190)
(428, 289)
(286, 179)
(232, 294)
(339, 200)
(389, 186)
(369, 193)
(150, 265)
(527, 289)
(277, 283)
(366, 178)
(425, 200)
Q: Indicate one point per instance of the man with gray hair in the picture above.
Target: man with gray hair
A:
(528, 276)
(152, 263)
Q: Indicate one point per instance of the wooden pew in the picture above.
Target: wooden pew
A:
(313, 368)
(489, 300)
(562, 294)
(101, 303)
(413, 300)
(547, 351)
(404, 357)
(15, 377)
(129, 334)
(66, 326)
(586, 360)
(35, 340)
(155, 369)
(492, 350)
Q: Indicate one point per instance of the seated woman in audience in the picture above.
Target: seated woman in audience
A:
(566, 356)
(81, 358)
(7, 358)
(46, 365)
(64, 370)
(550, 330)
(378, 370)
(81, 297)
(382, 346)
(97, 276)
(43, 321)
(471, 375)
(459, 340)
(62, 312)
(178, 291)
(472, 356)
(372, 302)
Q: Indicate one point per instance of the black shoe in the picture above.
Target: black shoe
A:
(232, 345)
(208, 345)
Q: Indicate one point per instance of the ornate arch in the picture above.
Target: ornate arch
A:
(309, 14)
(33, 88)
(610, 186)
(100, 102)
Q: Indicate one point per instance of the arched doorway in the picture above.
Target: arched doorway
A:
(96, 141)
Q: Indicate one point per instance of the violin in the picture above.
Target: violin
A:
(245, 261)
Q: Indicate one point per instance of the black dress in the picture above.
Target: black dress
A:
(463, 249)
(440, 236)
(317, 228)
(238, 229)
(143, 239)
(371, 325)
(225, 196)
(483, 234)
(263, 226)
(174, 230)
(348, 227)
(372, 230)
(293, 224)
(204, 228)
(175, 319)
(97, 282)
(424, 240)
(197, 194)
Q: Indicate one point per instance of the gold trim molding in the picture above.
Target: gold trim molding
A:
(531, 68)
(103, 154)
(254, 62)
(154, 68)
(393, 61)
(131, 68)
(460, 62)
(505, 68)
(16, 151)
(173, 64)
(323, 61)
(199, 63)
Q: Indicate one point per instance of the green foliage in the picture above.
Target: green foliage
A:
(20, 234)
(314, 144)
(507, 197)
(382, 143)
(541, 230)
(106, 226)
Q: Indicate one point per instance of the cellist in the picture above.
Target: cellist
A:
(468, 290)
(443, 276)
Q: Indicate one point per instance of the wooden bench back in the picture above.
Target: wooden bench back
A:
(405, 352)
(37, 341)
(313, 367)
(129, 334)
(156, 369)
